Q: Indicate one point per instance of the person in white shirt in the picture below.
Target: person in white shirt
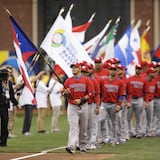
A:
(55, 98)
(41, 94)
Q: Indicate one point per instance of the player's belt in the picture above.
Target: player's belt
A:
(135, 97)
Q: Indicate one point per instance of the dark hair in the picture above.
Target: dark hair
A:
(3, 74)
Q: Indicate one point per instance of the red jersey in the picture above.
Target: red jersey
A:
(157, 81)
(150, 88)
(96, 98)
(112, 90)
(79, 87)
(135, 87)
(103, 73)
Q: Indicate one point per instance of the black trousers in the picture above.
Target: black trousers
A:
(4, 124)
(28, 110)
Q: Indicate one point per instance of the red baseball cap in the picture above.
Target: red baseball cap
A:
(84, 69)
(98, 60)
(138, 66)
(112, 66)
(151, 70)
(121, 67)
(77, 65)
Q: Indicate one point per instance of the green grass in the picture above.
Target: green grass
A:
(134, 149)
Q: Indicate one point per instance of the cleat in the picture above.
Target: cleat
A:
(70, 150)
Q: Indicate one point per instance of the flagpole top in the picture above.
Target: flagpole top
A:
(118, 19)
(92, 16)
(9, 13)
(109, 21)
(71, 7)
(61, 11)
(132, 21)
(148, 22)
(139, 23)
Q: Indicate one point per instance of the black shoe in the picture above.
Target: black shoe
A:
(83, 150)
(77, 148)
(42, 131)
(3, 145)
(70, 150)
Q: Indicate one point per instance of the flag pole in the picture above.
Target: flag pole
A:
(61, 11)
(92, 16)
(51, 68)
(118, 19)
(33, 62)
(7, 10)
(71, 7)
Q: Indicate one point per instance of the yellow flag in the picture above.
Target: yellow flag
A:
(145, 47)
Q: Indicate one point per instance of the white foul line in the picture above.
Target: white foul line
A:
(38, 154)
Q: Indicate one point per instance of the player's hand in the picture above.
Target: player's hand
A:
(128, 105)
(118, 108)
(77, 101)
(146, 105)
(66, 91)
(97, 110)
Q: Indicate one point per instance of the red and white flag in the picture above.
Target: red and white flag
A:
(80, 30)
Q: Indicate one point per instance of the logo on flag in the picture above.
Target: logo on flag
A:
(58, 38)
(68, 51)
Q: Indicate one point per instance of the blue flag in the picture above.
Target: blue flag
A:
(123, 50)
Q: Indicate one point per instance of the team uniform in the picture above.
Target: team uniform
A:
(101, 74)
(93, 104)
(150, 91)
(112, 91)
(78, 114)
(136, 91)
(156, 109)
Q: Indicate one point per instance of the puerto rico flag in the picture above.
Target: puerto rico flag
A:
(18, 45)
(27, 47)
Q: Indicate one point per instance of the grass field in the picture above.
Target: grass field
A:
(134, 149)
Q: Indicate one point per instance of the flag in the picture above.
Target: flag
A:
(135, 44)
(61, 45)
(105, 46)
(68, 18)
(79, 31)
(123, 50)
(145, 47)
(157, 52)
(18, 48)
(27, 47)
(109, 43)
(92, 43)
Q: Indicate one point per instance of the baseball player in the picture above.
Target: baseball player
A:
(122, 114)
(78, 90)
(156, 108)
(112, 92)
(150, 87)
(93, 108)
(136, 90)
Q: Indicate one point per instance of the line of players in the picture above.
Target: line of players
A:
(112, 102)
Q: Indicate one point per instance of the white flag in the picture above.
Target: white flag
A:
(62, 46)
